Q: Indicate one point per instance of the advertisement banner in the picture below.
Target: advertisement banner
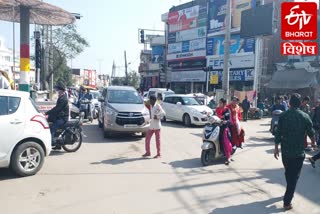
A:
(187, 46)
(90, 77)
(187, 64)
(157, 54)
(217, 14)
(187, 55)
(186, 35)
(235, 75)
(184, 19)
(188, 76)
(236, 61)
(215, 46)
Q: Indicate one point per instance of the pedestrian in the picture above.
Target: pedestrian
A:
(306, 109)
(156, 112)
(4, 83)
(245, 107)
(261, 106)
(284, 101)
(292, 126)
(237, 133)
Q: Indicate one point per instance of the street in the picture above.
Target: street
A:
(108, 176)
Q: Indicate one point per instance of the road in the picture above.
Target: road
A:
(109, 177)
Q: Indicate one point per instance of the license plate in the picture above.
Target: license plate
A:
(130, 126)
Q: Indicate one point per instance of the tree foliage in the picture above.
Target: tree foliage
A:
(133, 80)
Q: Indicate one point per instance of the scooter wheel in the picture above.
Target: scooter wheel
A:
(207, 156)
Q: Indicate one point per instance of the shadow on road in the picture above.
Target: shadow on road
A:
(262, 139)
(187, 164)
(118, 161)
(7, 174)
(261, 207)
(175, 124)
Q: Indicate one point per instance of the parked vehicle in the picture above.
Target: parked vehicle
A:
(69, 137)
(96, 103)
(27, 138)
(274, 121)
(203, 99)
(186, 109)
(123, 111)
(255, 113)
(212, 147)
(156, 91)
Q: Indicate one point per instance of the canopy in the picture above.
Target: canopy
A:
(293, 79)
(40, 12)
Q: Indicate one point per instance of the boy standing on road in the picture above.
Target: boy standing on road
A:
(292, 127)
(155, 126)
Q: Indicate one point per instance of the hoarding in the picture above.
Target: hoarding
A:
(187, 55)
(215, 46)
(91, 77)
(235, 75)
(235, 61)
(186, 35)
(183, 19)
(187, 46)
(157, 54)
(188, 76)
(187, 64)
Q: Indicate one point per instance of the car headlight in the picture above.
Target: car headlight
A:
(110, 112)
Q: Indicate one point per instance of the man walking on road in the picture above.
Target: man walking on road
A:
(245, 107)
(155, 126)
(292, 127)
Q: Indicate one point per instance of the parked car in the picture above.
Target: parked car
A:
(95, 103)
(156, 91)
(123, 111)
(26, 138)
(186, 109)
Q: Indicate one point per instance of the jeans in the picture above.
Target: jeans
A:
(148, 139)
(245, 115)
(316, 157)
(292, 168)
(55, 126)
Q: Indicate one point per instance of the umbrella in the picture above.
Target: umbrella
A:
(40, 12)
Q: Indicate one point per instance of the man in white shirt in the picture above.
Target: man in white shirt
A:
(4, 83)
(155, 126)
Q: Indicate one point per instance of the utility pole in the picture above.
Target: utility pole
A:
(126, 67)
(226, 71)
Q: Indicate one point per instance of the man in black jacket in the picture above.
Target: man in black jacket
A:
(245, 106)
(59, 115)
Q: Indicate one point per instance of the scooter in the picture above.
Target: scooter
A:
(274, 121)
(69, 137)
(88, 109)
(212, 147)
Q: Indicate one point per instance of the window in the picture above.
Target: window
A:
(169, 100)
(124, 97)
(190, 101)
(9, 105)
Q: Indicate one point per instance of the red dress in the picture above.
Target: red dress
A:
(237, 133)
(219, 112)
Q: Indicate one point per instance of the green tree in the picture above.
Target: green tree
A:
(134, 79)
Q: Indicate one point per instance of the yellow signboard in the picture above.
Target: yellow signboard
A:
(214, 79)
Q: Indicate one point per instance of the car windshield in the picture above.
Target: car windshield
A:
(124, 96)
(190, 101)
(167, 93)
(95, 95)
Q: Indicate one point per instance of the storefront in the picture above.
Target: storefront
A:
(149, 80)
(185, 82)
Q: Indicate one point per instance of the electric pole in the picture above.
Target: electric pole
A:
(126, 67)
(226, 71)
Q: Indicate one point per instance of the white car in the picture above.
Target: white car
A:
(25, 134)
(186, 109)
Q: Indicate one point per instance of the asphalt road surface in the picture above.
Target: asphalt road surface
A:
(110, 177)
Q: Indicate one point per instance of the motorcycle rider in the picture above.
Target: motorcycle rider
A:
(59, 115)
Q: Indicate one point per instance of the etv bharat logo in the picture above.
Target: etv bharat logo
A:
(299, 22)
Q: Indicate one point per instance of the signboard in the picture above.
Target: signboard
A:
(186, 35)
(217, 14)
(215, 46)
(187, 46)
(188, 76)
(183, 19)
(214, 78)
(235, 75)
(187, 64)
(157, 54)
(187, 55)
(236, 61)
(90, 77)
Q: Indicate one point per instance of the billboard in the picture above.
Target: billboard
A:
(235, 61)
(186, 55)
(217, 14)
(187, 64)
(157, 54)
(234, 75)
(187, 46)
(215, 46)
(188, 76)
(183, 19)
(90, 77)
(186, 35)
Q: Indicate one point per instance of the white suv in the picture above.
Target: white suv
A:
(24, 132)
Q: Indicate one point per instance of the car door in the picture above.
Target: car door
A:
(167, 107)
(178, 109)
(12, 122)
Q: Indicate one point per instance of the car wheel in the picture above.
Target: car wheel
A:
(106, 134)
(27, 159)
(187, 120)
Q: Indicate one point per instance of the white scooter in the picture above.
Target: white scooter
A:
(211, 147)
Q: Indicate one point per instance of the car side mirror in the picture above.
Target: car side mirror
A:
(179, 104)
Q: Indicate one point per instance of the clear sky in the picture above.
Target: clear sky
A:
(110, 26)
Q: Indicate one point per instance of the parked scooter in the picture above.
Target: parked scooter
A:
(212, 147)
(69, 137)
(274, 121)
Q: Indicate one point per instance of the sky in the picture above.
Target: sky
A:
(111, 27)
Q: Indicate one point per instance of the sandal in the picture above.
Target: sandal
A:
(313, 163)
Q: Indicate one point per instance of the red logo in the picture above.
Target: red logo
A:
(299, 48)
(299, 21)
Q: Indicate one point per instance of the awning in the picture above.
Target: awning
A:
(293, 79)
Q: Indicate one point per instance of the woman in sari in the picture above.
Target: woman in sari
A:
(237, 132)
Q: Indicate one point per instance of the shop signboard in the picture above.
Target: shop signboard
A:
(236, 61)
(90, 78)
(186, 35)
(188, 76)
(187, 55)
(187, 64)
(187, 46)
(235, 75)
(157, 54)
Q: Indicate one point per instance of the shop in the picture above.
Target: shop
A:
(185, 82)
(149, 80)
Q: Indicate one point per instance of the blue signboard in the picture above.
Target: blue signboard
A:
(215, 46)
(157, 54)
(239, 75)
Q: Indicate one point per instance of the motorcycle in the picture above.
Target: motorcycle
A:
(212, 147)
(88, 109)
(69, 137)
(274, 121)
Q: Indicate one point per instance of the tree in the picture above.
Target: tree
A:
(67, 43)
(133, 80)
